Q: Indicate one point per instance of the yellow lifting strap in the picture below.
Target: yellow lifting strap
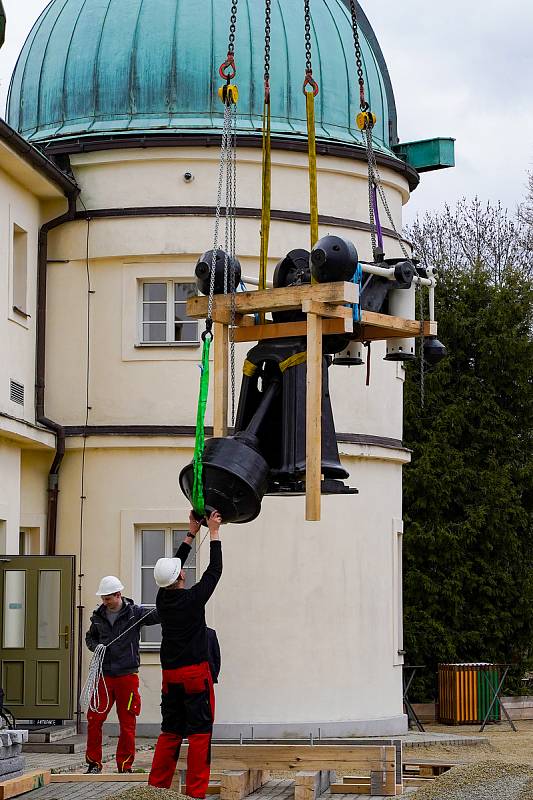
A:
(293, 361)
(249, 369)
(266, 193)
(266, 185)
(313, 192)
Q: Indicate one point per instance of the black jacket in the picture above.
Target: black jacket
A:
(182, 616)
(123, 657)
(213, 654)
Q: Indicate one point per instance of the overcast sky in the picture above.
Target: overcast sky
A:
(462, 68)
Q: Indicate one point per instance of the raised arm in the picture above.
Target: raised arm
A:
(185, 547)
(202, 591)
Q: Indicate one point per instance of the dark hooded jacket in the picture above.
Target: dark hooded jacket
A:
(121, 658)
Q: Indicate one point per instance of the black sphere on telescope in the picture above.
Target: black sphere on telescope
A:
(333, 259)
(203, 272)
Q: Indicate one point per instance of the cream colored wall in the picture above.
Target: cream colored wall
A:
(23, 468)
(9, 497)
(309, 615)
(302, 611)
(17, 334)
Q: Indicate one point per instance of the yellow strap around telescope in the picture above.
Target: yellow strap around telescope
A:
(249, 369)
(313, 192)
(293, 361)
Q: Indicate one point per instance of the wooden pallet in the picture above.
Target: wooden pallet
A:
(13, 787)
(329, 309)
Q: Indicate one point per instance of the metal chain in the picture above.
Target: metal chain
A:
(307, 17)
(267, 43)
(358, 56)
(375, 177)
(233, 250)
(223, 149)
(232, 27)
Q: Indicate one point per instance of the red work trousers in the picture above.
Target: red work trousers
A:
(124, 691)
(188, 711)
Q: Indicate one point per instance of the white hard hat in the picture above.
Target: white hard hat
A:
(166, 571)
(109, 585)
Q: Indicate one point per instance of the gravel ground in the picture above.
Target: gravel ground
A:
(486, 780)
(503, 744)
(148, 793)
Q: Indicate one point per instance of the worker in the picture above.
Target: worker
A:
(188, 700)
(118, 616)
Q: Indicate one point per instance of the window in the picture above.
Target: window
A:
(164, 313)
(154, 543)
(20, 269)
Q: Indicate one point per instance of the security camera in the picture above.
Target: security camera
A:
(188, 177)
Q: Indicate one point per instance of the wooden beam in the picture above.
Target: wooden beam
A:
(283, 299)
(292, 758)
(35, 779)
(327, 310)
(313, 419)
(390, 324)
(282, 330)
(220, 379)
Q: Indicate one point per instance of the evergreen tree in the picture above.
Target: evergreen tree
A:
(468, 557)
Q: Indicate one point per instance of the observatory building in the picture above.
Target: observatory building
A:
(108, 181)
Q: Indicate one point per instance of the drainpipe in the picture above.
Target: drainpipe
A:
(40, 369)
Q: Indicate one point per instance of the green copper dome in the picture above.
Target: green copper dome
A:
(101, 67)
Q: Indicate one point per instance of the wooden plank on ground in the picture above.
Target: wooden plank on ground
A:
(283, 299)
(363, 787)
(13, 787)
(100, 777)
(292, 758)
(220, 379)
(313, 419)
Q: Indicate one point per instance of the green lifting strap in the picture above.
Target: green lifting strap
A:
(198, 502)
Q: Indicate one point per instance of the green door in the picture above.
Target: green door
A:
(36, 642)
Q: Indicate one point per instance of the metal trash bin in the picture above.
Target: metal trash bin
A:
(466, 692)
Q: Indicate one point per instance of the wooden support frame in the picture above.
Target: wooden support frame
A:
(313, 419)
(329, 311)
(220, 381)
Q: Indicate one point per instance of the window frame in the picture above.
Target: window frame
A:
(182, 529)
(170, 311)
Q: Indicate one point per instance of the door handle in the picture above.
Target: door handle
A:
(66, 635)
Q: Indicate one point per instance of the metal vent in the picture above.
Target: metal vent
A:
(16, 392)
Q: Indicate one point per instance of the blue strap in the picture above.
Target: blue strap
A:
(358, 280)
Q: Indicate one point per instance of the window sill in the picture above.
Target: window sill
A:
(151, 345)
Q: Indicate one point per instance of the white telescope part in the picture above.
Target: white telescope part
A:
(402, 303)
(247, 279)
(350, 357)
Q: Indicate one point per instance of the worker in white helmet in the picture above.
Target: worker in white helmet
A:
(115, 616)
(188, 699)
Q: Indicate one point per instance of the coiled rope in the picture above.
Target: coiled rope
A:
(90, 695)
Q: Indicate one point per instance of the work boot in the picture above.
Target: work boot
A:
(93, 769)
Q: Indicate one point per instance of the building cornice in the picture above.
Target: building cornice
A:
(88, 144)
(35, 158)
